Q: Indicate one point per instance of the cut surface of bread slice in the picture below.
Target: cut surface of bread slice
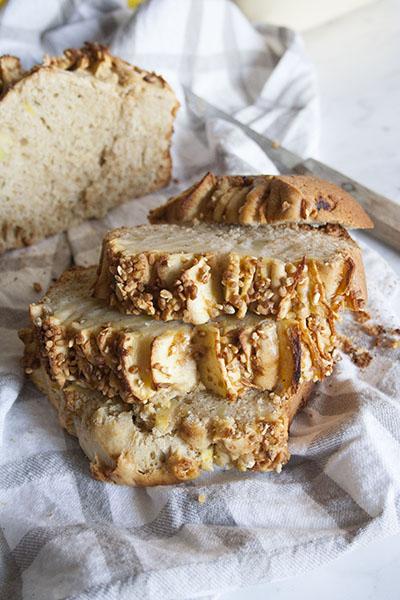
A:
(262, 199)
(195, 274)
(195, 433)
(79, 134)
(140, 359)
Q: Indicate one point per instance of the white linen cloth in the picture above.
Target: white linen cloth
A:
(64, 535)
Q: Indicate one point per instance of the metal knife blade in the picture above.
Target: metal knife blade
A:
(384, 212)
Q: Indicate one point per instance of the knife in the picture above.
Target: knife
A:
(384, 212)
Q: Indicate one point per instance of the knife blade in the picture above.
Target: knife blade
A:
(384, 212)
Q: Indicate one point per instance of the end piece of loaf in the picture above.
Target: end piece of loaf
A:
(196, 274)
(79, 134)
(263, 199)
(195, 433)
(142, 360)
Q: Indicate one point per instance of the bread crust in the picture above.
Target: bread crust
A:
(93, 60)
(201, 286)
(263, 199)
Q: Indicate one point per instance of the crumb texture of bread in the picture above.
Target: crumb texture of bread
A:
(139, 359)
(196, 274)
(79, 134)
(196, 433)
(263, 199)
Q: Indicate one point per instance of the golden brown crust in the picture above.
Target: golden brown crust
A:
(299, 399)
(123, 475)
(10, 71)
(263, 199)
(198, 287)
(92, 57)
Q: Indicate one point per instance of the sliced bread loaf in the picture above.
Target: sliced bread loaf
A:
(176, 272)
(140, 359)
(261, 199)
(147, 445)
(79, 134)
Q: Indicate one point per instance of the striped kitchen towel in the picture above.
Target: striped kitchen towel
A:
(64, 535)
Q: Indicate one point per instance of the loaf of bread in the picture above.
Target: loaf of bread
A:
(79, 134)
(136, 444)
(196, 274)
(140, 359)
(192, 347)
(263, 199)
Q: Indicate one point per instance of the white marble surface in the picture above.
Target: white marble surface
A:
(358, 63)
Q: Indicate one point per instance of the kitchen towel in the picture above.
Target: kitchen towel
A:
(64, 535)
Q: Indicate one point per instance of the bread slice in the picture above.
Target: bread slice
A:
(195, 274)
(140, 359)
(262, 199)
(79, 134)
(140, 445)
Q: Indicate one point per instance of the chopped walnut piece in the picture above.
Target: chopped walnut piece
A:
(362, 316)
(359, 356)
(383, 337)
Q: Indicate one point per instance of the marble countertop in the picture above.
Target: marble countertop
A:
(358, 63)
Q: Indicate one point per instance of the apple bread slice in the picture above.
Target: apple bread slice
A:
(196, 274)
(79, 134)
(80, 339)
(143, 445)
(262, 199)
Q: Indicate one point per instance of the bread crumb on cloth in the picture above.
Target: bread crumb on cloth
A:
(359, 356)
(380, 337)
